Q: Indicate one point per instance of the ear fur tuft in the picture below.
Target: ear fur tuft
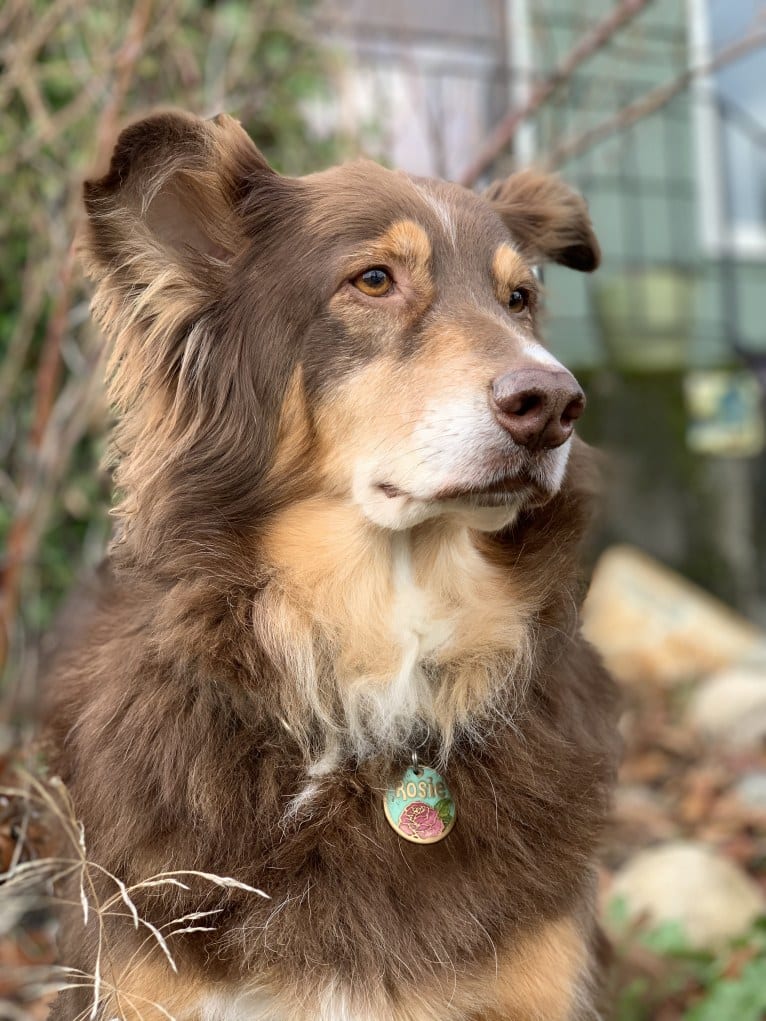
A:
(548, 220)
(164, 224)
(174, 183)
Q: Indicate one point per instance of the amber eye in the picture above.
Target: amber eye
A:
(518, 301)
(375, 282)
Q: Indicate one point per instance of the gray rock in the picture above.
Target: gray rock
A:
(711, 898)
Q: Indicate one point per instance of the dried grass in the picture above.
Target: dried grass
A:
(33, 883)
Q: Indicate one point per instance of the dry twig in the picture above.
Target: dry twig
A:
(652, 101)
(585, 48)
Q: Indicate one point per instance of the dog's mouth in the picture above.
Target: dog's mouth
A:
(487, 494)
(490, 494)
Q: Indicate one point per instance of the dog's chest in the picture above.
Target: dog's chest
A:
(330, 1005)
(419, 622)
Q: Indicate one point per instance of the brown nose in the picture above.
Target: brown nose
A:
(537, 407)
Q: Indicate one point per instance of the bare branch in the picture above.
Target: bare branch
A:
(587, 46)
(48, 374)
(652, 101)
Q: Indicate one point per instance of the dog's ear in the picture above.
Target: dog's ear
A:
(170, 198)
(164, 225)
(548, 220)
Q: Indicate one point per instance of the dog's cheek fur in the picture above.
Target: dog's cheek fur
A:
(186, 239)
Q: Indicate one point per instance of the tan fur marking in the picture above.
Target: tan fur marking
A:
(542, 979)
(294, 434)
(143, 987)
(509, 270)
(407, 243)
(350, 421)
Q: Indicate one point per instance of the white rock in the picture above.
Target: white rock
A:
(731, 707)
(651, 624)
(711, 898)
(751, 789)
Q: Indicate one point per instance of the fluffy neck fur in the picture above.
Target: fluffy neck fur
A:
(364, 643)
(388, 637)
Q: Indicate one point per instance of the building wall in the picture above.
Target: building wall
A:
(422, 82)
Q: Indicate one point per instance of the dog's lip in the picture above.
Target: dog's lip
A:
(497, 487)
(390, 490)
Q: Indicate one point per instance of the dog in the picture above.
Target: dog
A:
(334, 653)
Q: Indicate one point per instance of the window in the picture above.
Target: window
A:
(428, 78)
(730, 113)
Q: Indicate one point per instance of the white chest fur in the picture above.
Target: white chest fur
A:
(382, 632)
(418, 624)
(333, 1005)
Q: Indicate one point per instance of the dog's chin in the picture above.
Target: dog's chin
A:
(487, 502)
(401, 511)
(487, 509)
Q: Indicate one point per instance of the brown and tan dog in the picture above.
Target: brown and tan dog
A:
(351, 506)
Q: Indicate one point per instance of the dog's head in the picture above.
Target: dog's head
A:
(363, 333)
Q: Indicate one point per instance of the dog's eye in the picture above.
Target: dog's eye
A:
(376, 282)
(518, 301)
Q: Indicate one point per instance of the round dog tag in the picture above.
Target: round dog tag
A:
(420, 807)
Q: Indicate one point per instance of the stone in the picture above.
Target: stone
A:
(751, 790)
(730, 707)
(711, 899)
(651, 624)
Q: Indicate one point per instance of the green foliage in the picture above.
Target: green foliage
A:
(693, 984)
(735, 999)
(444, 809)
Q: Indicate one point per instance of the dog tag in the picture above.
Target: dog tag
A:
(420, 807)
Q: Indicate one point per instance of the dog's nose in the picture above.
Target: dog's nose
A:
(538, 407)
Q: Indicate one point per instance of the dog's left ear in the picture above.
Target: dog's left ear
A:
(548, 220)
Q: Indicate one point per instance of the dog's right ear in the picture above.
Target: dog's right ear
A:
(163, 226)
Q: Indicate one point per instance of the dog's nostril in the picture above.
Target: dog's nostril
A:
(573, 410)
(524, 404)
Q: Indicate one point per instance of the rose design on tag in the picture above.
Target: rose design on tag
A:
(421, 821)
(420, 807)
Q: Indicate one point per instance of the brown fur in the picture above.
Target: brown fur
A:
(541, 978)
(547, 219)
(245, 632)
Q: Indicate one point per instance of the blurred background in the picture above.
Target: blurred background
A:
(656, 110)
